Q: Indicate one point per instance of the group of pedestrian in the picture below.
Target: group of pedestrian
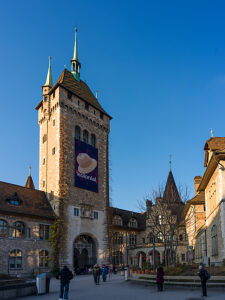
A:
(65, 275)
(203, 274)
(97, 272)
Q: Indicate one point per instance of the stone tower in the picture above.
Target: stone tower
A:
(73, 169)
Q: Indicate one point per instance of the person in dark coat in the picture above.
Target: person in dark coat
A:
(203, 276)
(65, 275)
(104, 273)
(160, 278)
(96, 273)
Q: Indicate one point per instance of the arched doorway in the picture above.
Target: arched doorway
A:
(84, 252)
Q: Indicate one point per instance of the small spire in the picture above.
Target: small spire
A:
(49, 75)
(212, 133)
(75, 54)
(96, 96)
(170, 162)
(75, 64)
(29, 183)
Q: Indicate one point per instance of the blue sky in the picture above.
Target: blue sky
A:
(159, 67)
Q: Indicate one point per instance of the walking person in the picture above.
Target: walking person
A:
(104, 273)
(96, 273)
(160, 278)
(204, 276)
(65, 275)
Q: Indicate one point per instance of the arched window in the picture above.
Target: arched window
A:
(181, 237)
(77, 132)
(214, 240)
(133, 223)
(43, 259)
(93, 140)
(117, 220)
(15, 259)
(151, 238)
(85, 136)
(3, 228)
(160, 237)
(18, 230)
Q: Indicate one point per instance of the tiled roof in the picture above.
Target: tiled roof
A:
(126, 215)
(215, 143)
(79, 88)
(31, 202)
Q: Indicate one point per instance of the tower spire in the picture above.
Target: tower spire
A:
(49, 75)
(75, 64)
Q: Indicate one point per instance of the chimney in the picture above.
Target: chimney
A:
(148, 205)
(197, 181)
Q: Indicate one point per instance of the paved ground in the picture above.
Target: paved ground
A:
(83, 288)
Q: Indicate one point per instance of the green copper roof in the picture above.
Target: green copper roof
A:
(49, 75)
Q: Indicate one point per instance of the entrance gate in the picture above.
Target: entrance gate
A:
(84, 252)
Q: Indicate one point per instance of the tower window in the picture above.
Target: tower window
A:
(53, 123)
(44, 139)
(76, 211)
(53, 94)
(96, 215)
(43, 183)
(45, 98)
(93, 140)
(101, 115)
(43, 161)
(69, 95)
(86, 106)
(53, 151)
(77, 132)
(85, 136)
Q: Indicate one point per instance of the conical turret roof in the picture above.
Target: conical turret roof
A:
(171, 194)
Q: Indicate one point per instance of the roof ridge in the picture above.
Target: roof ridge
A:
(21, 186)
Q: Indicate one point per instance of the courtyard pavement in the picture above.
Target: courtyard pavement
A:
(83, 288)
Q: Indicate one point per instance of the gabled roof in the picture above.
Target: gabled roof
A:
(31, 202)
(171, 194)
(78, 88)
(215, 143)
(199, 199)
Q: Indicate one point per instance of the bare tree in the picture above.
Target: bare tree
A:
(164, 218)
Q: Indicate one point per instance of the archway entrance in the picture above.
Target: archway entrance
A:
(84, 252)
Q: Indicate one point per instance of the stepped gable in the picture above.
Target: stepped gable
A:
(171, 194)
(19, 200)
(126, 215)
(78, 88)
(29, 183)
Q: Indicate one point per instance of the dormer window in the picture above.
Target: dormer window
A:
(133, 223)
(14, 200)
(117, 220)
(45, 98)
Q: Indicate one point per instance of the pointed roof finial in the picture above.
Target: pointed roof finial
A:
(49, 75)
(29, 183)
(212, 133)
(96, 94)
(75, 54)
(170, 161)
(29, 171)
